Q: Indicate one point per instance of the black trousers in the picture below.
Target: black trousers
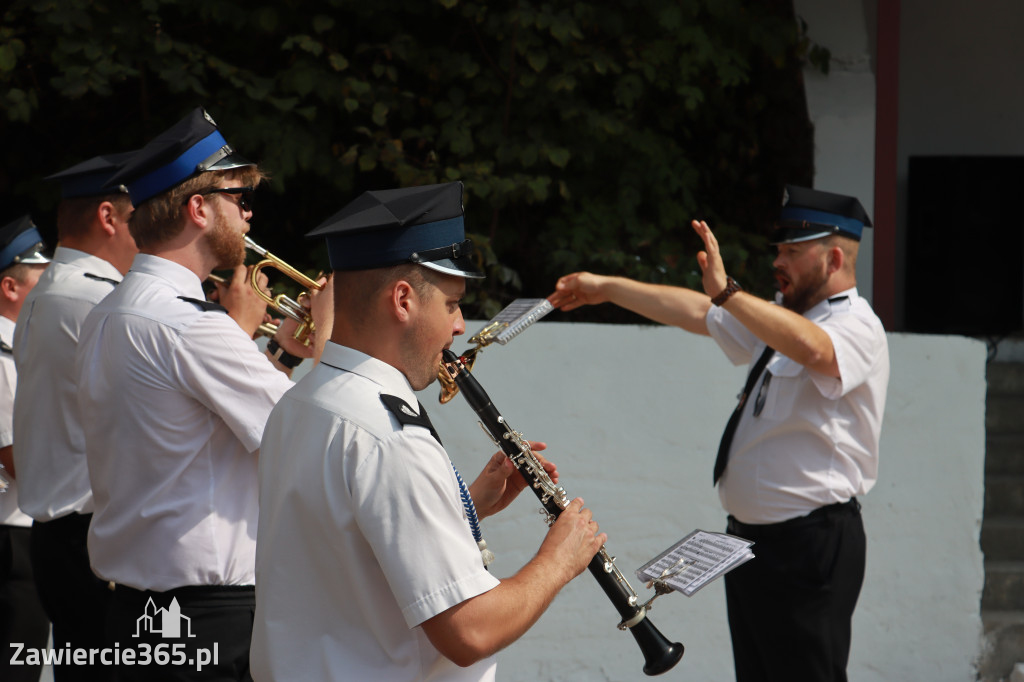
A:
(188, 633)
(790, 608)
(74, 598)
(22, 618)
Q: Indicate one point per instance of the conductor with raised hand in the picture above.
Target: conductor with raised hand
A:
(366, 564)
(802, 443)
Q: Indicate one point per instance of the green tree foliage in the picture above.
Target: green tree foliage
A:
(588, 134)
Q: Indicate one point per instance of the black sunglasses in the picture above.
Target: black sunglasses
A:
(246, 195)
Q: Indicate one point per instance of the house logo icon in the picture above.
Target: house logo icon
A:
(165, 622)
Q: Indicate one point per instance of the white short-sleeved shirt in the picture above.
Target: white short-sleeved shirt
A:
(173, 403)
(363, 535)
(815, 441)
(50, 452)
(10, 515)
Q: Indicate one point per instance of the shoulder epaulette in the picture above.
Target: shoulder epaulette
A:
(100, 278)
(406, 415)
(205, 306)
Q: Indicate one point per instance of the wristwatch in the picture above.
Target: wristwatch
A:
(731, 287)
(281, 355)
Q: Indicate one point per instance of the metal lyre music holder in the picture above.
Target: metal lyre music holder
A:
(502, 328)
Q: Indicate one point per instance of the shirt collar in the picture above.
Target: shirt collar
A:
(183, 280)
(94, 264)
(6, 329)
(389, 378)
(822, 309)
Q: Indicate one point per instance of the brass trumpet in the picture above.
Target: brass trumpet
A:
(267, 329)
(286, 306)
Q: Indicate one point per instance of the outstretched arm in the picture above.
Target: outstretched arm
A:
(670, 305)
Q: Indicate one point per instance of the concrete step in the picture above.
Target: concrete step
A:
(1004, 413)
(1004, 453)
(1005, 377)
(1004, 495)
(1004, 636)
(1004, 586)
(1002, 538)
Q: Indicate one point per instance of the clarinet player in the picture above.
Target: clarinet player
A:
(795, 455)
(368, 561)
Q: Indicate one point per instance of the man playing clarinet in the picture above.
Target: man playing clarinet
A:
(367, 567)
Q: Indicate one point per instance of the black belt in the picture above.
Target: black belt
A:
(224, 594)
(819, 515)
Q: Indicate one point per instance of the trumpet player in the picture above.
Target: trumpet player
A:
(174, 395)
(803, 442)
(367, 565)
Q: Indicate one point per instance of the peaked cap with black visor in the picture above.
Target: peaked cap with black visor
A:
(191, 146)
(422, 225)
(812, 214)
(92, 178)
(21, 244)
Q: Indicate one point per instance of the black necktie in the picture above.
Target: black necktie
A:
(734, 420)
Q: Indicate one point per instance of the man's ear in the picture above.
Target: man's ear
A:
(9, 288)
(836, 258)
(106, 212)
(198, 210)
(402, 300)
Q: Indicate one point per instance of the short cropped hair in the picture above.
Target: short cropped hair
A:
(75, 214)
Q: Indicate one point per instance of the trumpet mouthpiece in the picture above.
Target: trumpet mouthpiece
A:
(250, 244)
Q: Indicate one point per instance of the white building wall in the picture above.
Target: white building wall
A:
(842, 108)
(632, 416)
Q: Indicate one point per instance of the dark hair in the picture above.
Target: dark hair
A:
(75, 214)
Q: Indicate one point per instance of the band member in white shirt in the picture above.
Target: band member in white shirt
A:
(94, 250)
(367, 565)
(174, 395)
(22, 617)
(803, 442)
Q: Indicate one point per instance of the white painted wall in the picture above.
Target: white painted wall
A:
(841, 106)
(632, 416)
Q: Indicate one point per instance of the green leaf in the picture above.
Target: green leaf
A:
(8, 60)
(537, 60)
(559, 156)
(337, 61)
(322, 23)
(380, 114)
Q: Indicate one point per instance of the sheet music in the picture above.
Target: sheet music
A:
(696, 560)
(510, 322)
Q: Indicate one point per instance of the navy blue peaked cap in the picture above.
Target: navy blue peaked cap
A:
(423, 225)
(191, 146)
(812, 214)
(92, 178)
(20, 242)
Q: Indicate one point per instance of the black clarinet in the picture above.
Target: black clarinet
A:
(660, 655)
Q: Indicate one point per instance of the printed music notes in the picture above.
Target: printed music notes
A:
(695, 561)
(510, 322)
